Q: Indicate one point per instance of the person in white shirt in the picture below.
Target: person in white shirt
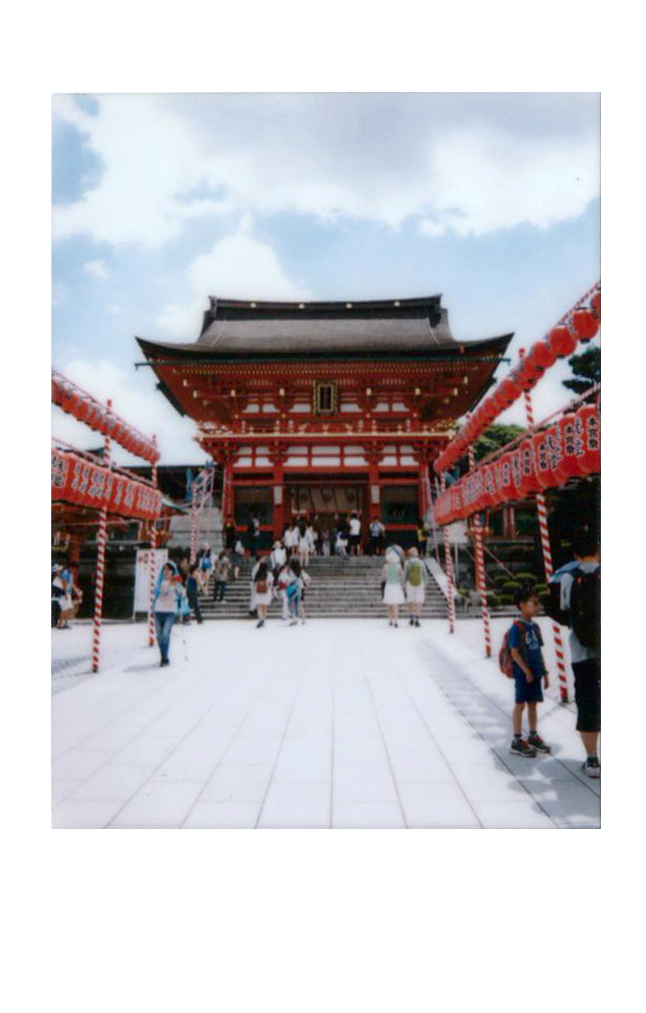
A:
(355, 535)
(278, 557)
(415, 576)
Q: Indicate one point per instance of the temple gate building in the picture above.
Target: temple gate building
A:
(321, 408)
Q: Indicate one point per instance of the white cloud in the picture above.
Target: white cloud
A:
(97, 269)
(237, 267)
(138, 401)
(428, 227)
(472, 163)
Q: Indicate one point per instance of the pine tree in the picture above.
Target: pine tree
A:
(586, 368)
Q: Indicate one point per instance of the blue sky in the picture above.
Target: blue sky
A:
(161, 200)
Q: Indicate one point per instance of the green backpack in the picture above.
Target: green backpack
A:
(415, 573)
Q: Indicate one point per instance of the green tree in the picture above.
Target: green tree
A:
(494, 438)
(586, 368)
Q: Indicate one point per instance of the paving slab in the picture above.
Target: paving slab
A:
(338, 724)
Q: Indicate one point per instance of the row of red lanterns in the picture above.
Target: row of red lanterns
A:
(569, 448)
(77, 480)
(100, 418)
(561, 343)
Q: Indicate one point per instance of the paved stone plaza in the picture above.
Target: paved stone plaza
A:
(335, 724)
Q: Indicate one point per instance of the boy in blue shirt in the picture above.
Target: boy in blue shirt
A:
(525, 642)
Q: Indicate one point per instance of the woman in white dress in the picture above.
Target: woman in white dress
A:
(392, 579)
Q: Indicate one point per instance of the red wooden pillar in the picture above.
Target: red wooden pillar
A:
(277, 459)
(374, 489)
(228, 504)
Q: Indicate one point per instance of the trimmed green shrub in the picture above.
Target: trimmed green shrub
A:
(501, 579)
(506, 599)
(493, 600)
(540, 589)
(526, 578)
(510, 587)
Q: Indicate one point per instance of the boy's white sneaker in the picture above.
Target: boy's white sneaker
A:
(591, 767)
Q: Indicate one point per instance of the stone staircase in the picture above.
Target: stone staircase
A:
(340, 589)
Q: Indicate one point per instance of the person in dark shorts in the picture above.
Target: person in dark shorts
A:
(530, 674)
(193, 592)
(585, 580)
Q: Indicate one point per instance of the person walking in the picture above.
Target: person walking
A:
(581, 607)
(206, 565)
(221, 572)
(237, 555)
(392, 577)
(71, 598)
(284, 579)
(253, 532)
(262, 584)
(355, 534)
(415, 576)
(165, 606)
(193, 592)
(377, 532)
(277, 559)
(295, 592)
(305, 546)
(422, 537)
(325, 541)
(230, 534)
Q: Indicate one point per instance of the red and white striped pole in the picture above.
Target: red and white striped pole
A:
(153, 568)
(541, 507)
(450, 575)
(102, 538)
(194, 522)
(481, 573)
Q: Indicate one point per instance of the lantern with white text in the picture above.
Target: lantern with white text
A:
(516, 474)
(61, 474)
(528, 480)
(572, 447)
(590, 419)
(542, 461)
(489, 486)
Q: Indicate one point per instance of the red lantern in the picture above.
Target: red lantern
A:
(542, 469)
(528, 480)
(572, 447)
(117, 496)
(585, 325)
(61, 474)
(530, 373)
(489, 486)
(506, 478)
(508, 392)
(499, 494)
(516, 474)
(562, 342)
(543, 355)
(596, 304)
(591, 421)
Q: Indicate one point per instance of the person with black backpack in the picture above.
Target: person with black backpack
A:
(580, 603)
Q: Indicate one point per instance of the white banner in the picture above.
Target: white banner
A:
(142, 575)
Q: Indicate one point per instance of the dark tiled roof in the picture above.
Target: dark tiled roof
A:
(233, 328)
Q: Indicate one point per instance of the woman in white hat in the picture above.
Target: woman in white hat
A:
(392, 579)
